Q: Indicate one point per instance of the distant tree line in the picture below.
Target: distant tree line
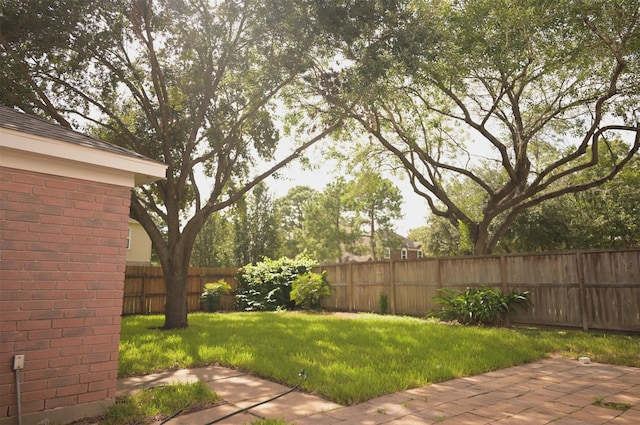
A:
(354, 216)
(325, 223)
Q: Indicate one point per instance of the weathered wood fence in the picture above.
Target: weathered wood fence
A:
(144, 290)
(586, 289)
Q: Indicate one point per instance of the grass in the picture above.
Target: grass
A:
(350, 361)
(150, 405)
(163, 403)
(622, 407)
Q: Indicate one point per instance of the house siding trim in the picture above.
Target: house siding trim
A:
(40, 154)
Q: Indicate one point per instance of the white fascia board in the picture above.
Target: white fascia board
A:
(34, 153)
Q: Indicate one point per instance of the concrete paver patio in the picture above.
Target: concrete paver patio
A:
(556, 390)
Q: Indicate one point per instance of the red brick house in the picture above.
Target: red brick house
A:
(63, 232)
(406, 249)
(399, 248)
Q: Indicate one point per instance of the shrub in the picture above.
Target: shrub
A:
(479, 306)
(266, 286)
(210, 298)
(384, 303)
(308, 288)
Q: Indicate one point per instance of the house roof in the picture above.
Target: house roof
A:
(401, 242)
(349, 257)
(15, 120)
(409, 244)
(30, 143)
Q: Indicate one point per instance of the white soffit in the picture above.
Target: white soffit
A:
(51, 156)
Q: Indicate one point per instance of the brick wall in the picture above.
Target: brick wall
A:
(62, 264)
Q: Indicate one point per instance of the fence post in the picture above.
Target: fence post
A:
(202, 279)
(143, 302)
(503, 273)
(582, 291)
(505, 284)
(392, 264)
(350, 287)
(438, 276)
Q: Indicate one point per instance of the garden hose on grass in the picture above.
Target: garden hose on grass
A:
(302, 375)
(175, 414)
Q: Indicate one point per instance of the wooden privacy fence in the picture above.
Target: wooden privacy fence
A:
(144, 290)
(588, 290)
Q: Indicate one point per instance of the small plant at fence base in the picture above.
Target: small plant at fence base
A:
(384, 303)
(479, 306)
(308, 289)
(210, 298)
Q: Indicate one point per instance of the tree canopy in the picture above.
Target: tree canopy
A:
(604, 217)
(473, 95)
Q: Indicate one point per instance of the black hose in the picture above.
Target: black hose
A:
(302, 374)
(175, 414)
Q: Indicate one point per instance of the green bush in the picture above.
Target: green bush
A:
(308, 289)
(479, 306)
(384, 303)
(210, 298)
(266, 286)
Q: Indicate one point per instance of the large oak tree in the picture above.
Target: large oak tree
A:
(473, 93)
(196, 84)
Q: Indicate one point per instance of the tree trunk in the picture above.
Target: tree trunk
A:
(176, 307)
(481, 242)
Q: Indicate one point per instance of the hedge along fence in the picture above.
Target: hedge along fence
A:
(144, 289)
(587, 289)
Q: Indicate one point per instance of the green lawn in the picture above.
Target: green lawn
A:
(352, 360)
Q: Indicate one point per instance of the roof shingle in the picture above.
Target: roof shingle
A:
(18, 121)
